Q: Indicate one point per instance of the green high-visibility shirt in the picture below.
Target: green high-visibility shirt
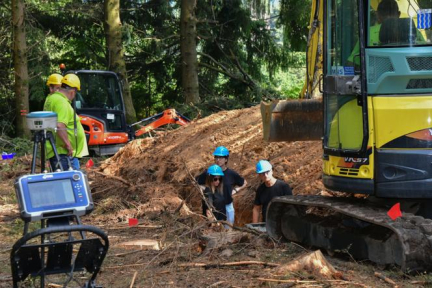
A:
(373, 41)
(60, 104)
(374, 33)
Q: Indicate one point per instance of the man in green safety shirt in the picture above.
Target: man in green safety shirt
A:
(70, 138)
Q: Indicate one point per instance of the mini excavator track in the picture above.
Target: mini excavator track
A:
(354, 226)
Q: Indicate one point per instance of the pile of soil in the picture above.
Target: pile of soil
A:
(155, 174)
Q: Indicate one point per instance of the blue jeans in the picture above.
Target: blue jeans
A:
(230, 212)
(65, 163)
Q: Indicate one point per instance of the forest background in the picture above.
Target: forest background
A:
(198, 56)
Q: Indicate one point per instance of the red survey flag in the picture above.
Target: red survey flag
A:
(395, 212)
(133, 222)
(89, 163)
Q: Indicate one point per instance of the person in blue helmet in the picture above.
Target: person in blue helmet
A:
(232, 180)
(270, 188)
(216, 194)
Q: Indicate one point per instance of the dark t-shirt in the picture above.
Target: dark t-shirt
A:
(265, 194)
(218, 200)
(230, 179)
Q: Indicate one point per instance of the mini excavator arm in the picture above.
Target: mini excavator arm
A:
(168, 116)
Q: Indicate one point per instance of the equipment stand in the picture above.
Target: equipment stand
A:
(52, 256)
(41, 137)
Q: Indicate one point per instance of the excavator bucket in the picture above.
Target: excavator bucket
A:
(292, 120)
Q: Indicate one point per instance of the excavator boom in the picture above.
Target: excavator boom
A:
(300, 120)
(169, 116)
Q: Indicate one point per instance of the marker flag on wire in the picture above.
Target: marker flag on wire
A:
(89, 163)
(133, 222)
(395, 212)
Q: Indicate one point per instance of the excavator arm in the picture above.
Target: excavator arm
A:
(168, 116)
(300, 120)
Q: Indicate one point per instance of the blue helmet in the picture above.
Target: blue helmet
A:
(263, 166)
(215, 170)
(221, 151)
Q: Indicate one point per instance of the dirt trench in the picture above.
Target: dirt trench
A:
(155, 174)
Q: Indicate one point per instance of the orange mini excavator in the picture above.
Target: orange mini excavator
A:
(102, 113)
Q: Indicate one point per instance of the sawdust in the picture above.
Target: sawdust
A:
(161, 168)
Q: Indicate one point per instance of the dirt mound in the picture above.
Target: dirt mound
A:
(163, 167)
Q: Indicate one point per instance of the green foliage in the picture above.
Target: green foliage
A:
(20, 146)
(6, 76)
(294, 18)
(241, 56)
(240, 44)
(292, 83)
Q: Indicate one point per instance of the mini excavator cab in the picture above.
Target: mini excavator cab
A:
(100, 106)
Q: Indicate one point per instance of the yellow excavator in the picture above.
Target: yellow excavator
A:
(368, 98)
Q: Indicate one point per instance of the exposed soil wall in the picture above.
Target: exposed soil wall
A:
(160, 169)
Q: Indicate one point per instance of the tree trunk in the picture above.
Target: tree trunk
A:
(189, 62)
(20, 67)
(116, 63)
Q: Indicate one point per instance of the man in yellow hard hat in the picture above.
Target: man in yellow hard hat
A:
(70, 138)
(54, 82)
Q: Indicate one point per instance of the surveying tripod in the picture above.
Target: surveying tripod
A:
(40, 138)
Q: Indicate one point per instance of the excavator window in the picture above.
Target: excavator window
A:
(407, 24)
(100, 91)
(100, 98)
(343, 119)
(343, 34)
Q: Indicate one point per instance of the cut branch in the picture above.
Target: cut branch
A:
(114, 177)
(386, 279)
(245, 74)
(223, 72)
(200, 191)
(240, 263)
(294, 281)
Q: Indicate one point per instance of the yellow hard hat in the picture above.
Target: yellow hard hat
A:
(72, 80)
(54, 79)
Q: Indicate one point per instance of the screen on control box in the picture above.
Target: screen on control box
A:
(51, 193)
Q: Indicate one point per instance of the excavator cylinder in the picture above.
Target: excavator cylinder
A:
(292, 120)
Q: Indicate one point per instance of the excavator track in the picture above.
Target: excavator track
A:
(353, 226)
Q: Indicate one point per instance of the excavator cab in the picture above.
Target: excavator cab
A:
(376, 95)
(100, 106)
